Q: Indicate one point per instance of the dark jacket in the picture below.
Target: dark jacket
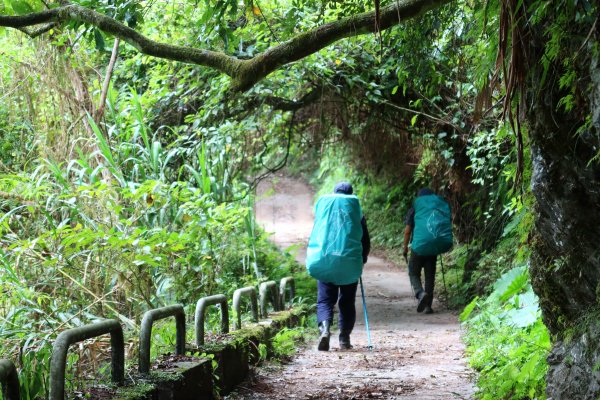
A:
(365, 240)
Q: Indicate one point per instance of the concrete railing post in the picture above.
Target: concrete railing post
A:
(146, 332)
(201, 307)
(9, 380)
(248, 291)
(286, 282)
(268, 290)
(65, 339)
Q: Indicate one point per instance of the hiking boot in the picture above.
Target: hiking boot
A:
(428, 310)
(324, 338)
(345, 341)
(424, 300)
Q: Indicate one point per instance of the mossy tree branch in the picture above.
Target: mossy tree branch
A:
(244, 73)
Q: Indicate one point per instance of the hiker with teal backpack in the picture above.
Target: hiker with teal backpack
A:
(429, 224)
(338, 247)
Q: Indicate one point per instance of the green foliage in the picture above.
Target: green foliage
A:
(286, 341)
(566, 29)
(507, 340)
(21, 7)
(262, 352)
(120, 230)
(511, 250)
(468, 309)
(16, 141)
(145, 208)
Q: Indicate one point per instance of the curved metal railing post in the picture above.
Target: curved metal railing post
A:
(266, 290)
(146, 332)
(283, 284)
(201, 307)
(248, 291)
(65, 339)
(10, 380)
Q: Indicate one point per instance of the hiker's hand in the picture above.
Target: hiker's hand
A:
(405, 254)
(365, 258)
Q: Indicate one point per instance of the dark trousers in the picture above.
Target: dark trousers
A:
(328, 294)
(416, 264)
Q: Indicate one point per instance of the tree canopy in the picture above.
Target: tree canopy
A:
(243, 72)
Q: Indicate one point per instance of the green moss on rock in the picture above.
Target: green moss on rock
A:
(141, 391)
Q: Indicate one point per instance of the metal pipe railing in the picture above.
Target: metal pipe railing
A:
(65, 339)
(146, 332)
(248, 291)
(201, 307)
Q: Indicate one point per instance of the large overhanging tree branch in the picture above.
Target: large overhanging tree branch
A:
(244, 73)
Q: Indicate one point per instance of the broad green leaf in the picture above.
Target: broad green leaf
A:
(502, 284)
(515, 286)
(7, 5)
(99, 39)
(37, 5)
(21, 7)
(468, 309)
(528, 367)
(522, 317)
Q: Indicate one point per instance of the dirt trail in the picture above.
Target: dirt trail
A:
(415, 356)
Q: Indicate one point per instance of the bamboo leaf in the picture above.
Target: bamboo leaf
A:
(195, 174)
(105, 150)
(206, 187)
(139, 117)
(57, 173)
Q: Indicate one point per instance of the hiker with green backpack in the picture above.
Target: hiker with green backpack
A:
(338, 248)
(429, 225)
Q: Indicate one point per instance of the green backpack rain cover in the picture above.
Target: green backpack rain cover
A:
(334, 253)
(433, 226)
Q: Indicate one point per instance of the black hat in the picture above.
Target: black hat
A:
(425, 192)
(343, 188)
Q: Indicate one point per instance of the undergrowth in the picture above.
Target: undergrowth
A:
(507, 342)
(287, 340)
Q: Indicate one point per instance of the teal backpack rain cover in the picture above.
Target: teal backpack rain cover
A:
(334, 253)
(433, 226)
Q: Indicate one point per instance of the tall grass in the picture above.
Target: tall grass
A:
(131, 226)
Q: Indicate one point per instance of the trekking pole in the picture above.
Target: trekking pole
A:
(444, 279)
(362, 291)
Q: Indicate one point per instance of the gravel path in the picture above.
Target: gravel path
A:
(414, 356)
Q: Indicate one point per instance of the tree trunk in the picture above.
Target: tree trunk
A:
(565, 265)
